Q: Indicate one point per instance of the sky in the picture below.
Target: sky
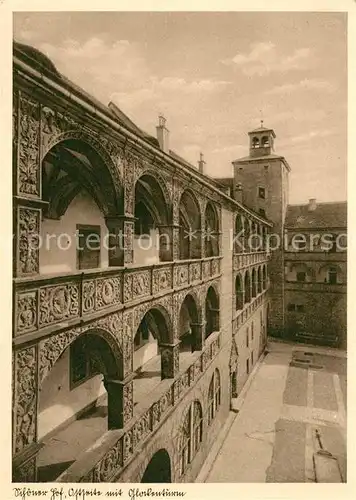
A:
(214, 76)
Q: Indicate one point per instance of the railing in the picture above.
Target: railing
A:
(242, 315)
(113, 451)
(242, 260)
(63, 300)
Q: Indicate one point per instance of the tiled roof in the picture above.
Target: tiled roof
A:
(325, 215)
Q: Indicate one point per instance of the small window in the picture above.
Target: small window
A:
(301, 276)
(332, 276)
(247, 338)
(266, 167)
(262, 212)
(252, 331)
(300, 308)
(252, 358)
(261, 193)
(88, 252)
(247, 366)
(291, 307)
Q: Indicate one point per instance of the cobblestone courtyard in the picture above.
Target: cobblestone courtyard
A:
(294, 408)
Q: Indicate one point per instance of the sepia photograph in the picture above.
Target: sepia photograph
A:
(179, 243)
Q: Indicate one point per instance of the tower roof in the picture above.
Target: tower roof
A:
(262, 129)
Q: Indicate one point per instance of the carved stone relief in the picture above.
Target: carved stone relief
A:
(29, 175)
(128, 242)
(58, 303)
(141, 429)
(195, 272)
(28, 233)
(128, 402)
(25, 398)
(181, 275)
(112, 461)
(162, 279)
(107, 292)
(88, 296)
(26, 312)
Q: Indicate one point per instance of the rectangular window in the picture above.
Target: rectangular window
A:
(291, 307)
(88, 252)
(301, 275)
(262, 193)
(262, 212)
(332, 277)
(247, 338)
(247, 366)
(300, 308)
(251, 358)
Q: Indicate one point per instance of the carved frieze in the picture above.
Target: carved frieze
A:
(215, 267)
(28, 240)
(206, 269)
(162, 279)
(50, 350)
(127, 342)
(127, 445)
(141, 429)
(141, 286)
(177, 192)
(106, 468)
(25, 398)
(128, 402)
(155, 414)
(26, 312)
(29, 176)
(184, 381)
(58, 303)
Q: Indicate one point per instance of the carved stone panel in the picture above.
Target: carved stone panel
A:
(177, 191)
(127, 342)
(25, 398)
(169, 361)
(28, 241)
(128, 402)
(206, 269)
(26, 312)
(141, 284)
(112, 461)
(166, 401)
(50, 350)
(181, 275)
(141, 429)
(58, 303)
(127, 445)
(195, 272)
(88, 296)
(29, 175)
(128, 242)
(108, 292)
(162, 280)
(215, 267)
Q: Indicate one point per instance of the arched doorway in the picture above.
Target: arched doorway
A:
(158, 469)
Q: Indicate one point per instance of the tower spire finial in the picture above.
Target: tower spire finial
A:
(261, 119)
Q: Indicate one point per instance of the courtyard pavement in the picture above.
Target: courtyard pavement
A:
(291, 424)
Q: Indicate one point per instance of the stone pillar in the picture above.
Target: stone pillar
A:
(197, 336)
(215, 314)
(120, 401)
(121, 233)
(196, 244)
(168, 242)
(169, 360)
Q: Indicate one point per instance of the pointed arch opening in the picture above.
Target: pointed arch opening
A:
(211, 239)
(247, 287)
(212, 312)
(190, 227)
(239, 293)
(214, 396)
(190, 436)
(151, 215)
(189, 335)
(254, 282)
(239, 240)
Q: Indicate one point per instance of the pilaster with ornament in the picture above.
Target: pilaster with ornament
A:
(169, 360)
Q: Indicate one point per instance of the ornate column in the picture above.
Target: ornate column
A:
(197, 336)
(169, 360)
(121, 234)
(120, 401)
(168, 242)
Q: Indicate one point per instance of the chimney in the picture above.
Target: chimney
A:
(312, 204)
(201, 163)
(239, 193)
(163, 134)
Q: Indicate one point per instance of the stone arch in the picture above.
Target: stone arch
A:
(162, 441)
(190, 324)
(159, 468)
(254, 282)
(74, 161)
(247, 286)
(212, 225)
(154, 173)
(239, 293)
(212, 310)
(197, 299)
(158, 312)
(153, 196)
(52, 348)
